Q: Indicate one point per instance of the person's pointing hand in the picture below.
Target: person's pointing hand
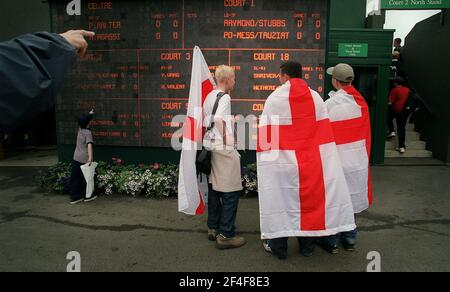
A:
(77, 39)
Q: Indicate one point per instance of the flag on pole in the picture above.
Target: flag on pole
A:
(192, 189)
(350, 120)
(302, 188)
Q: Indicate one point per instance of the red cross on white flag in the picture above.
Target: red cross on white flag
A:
(192, 192)
(350, 120)
(302, 188)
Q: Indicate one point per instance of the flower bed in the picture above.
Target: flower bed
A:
(152, 181)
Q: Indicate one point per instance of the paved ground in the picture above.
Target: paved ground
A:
(409, 226)
(37, 157)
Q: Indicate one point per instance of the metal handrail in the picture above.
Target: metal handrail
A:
(419, 96)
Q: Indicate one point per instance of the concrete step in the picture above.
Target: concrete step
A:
(410, 136)
(415, 148)
(410, 127)
(412, 145)
(409, 153)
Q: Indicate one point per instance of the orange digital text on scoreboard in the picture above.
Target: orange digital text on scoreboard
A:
(239, 3)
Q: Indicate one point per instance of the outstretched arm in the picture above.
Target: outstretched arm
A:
(32, 70)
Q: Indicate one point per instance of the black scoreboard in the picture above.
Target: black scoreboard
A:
(136, 73)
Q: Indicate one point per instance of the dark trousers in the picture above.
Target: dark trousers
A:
(279, 246)
(390, 121)
(401, 119)
(348, 237)
(222, 210)
(77, 184)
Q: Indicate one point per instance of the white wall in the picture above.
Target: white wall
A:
(403, 21)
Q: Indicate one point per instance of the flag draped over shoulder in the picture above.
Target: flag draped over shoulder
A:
(191, 188)
(302, 188)
(350, 120)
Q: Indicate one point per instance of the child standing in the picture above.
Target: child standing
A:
(83, 155)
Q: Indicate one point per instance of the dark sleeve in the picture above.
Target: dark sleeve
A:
(32, 70)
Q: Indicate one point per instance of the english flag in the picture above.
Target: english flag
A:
(192, 189)
(350, 120)
(302, 188)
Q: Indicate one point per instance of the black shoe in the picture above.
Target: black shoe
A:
(332, 249)
(268, 249)
(306, 254)
(348, 247)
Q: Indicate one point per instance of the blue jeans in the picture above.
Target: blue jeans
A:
(222, 210)
(348, 237)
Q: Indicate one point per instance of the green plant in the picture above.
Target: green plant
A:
(152, 181)
(56, 178)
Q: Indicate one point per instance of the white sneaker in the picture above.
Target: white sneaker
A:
(76, 202)
(90, 199)
(391, 135)
(401, 150)
(266, 246)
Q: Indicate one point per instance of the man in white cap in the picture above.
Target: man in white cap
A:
(350, 120)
